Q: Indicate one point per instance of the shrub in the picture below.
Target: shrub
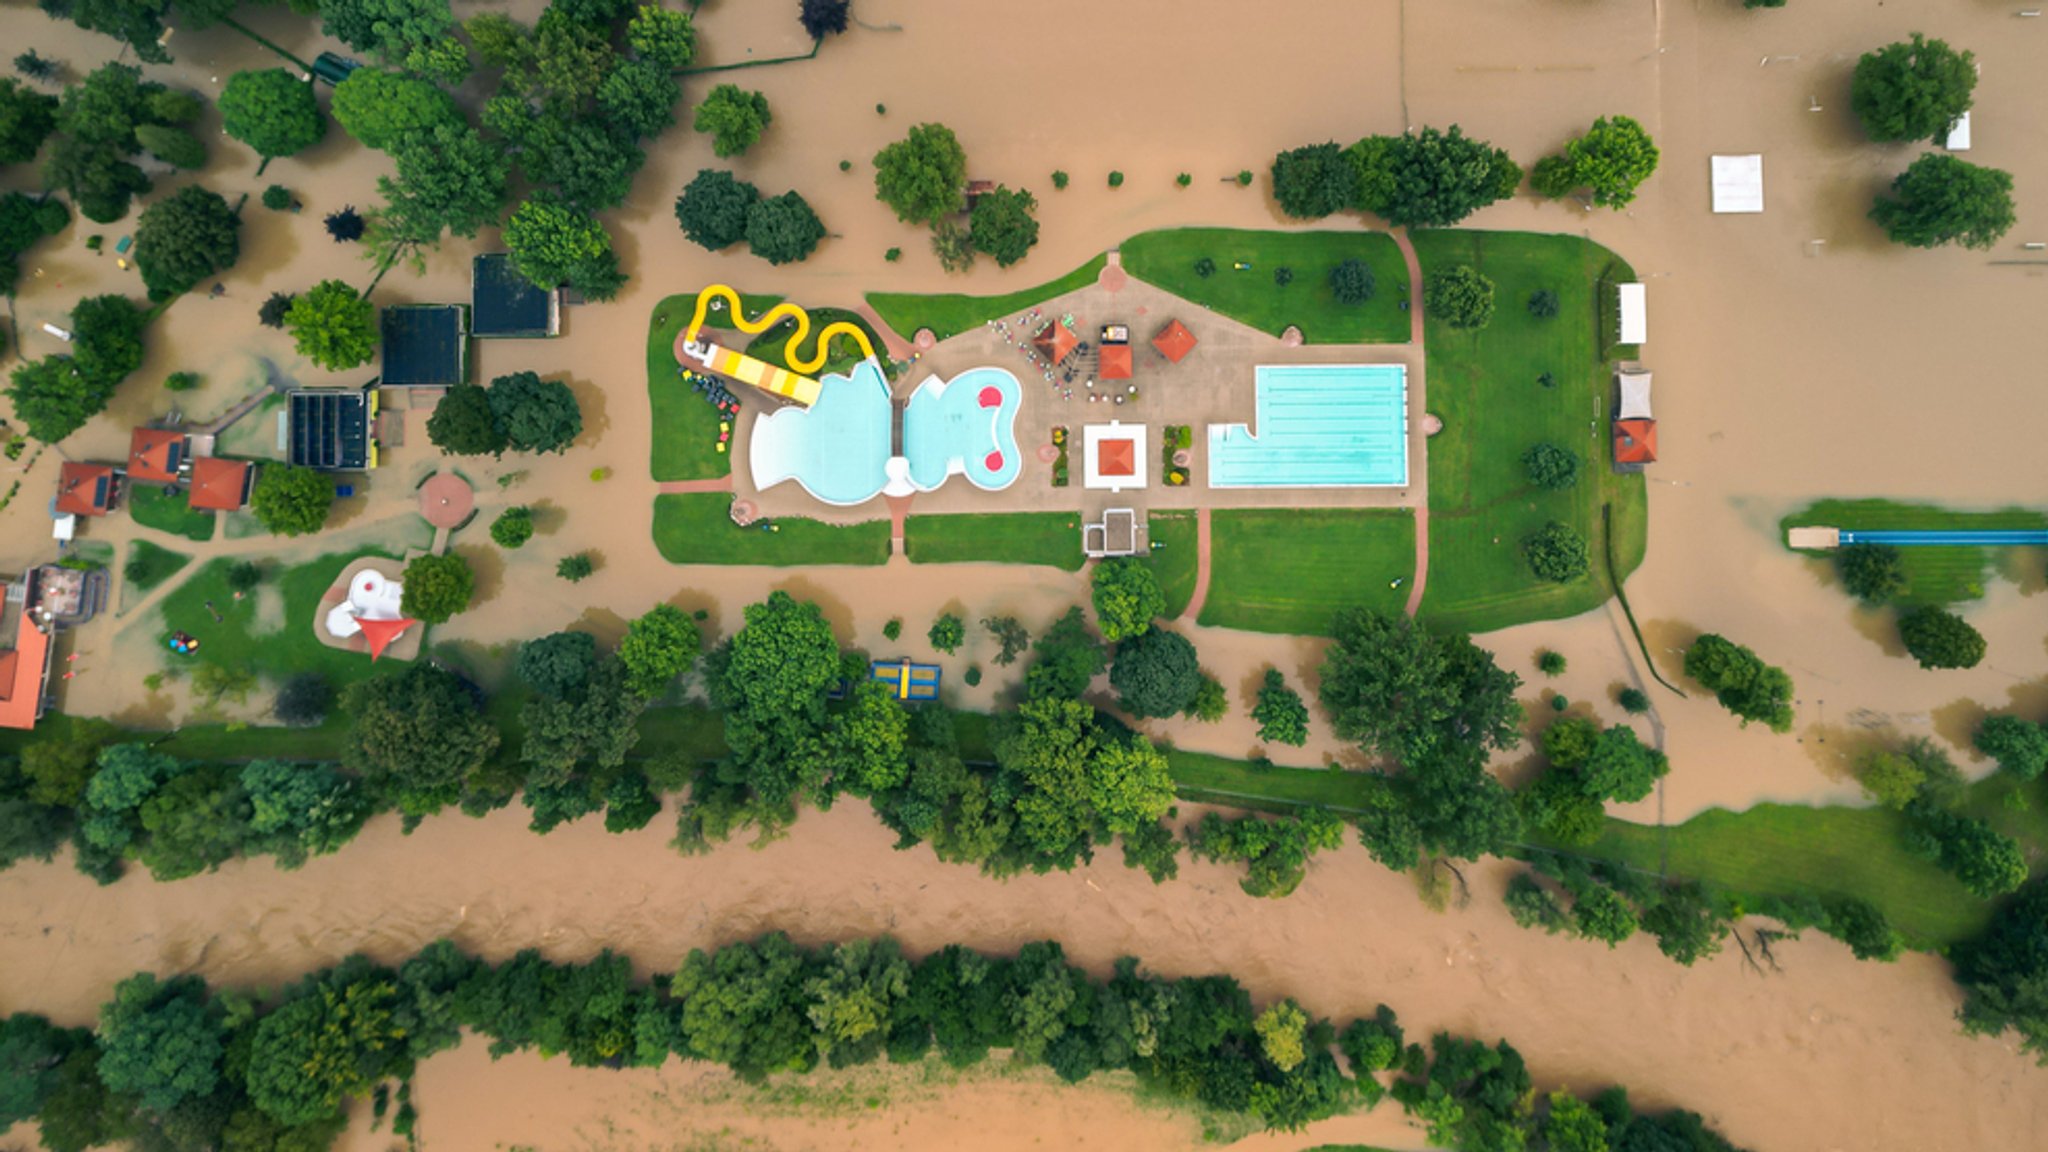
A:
(1543, 304)
(1551, 663)
(1281, 715)
(1059, 179)
(1351, 282)
(1459, 296)
(1183, 179)
(972, 675)
(893, 255)
(1210, 702)
(1872, 573)
(1633, 701)
(1283, 276)
(1558, 553)
(893, 629)
(1244, 178)
(513, 527)
(181, 381)
(277, 198)
(947, 633)
(575, 568)
(436, 588)
(1940, 639)
(1205, 267)
(1549, 466)
(1116, 179)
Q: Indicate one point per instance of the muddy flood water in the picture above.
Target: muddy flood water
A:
(1798, 356)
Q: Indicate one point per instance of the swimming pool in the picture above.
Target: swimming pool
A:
(965, 425)
(1318, 426)
(838, 448)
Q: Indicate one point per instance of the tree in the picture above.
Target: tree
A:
(1601, 914)
(1873, 573)
(734, 118)
(575, 568)
(513, 527)
(1552, 467)
(923, 177)
(1283, 1035)
(1430, 179)
(713, 208)
(303, 700)
(437, 587)
(823, 17)
(639, 95)
(1620, 767)
(53, 399)
(23, 222)
(1558, 553)
(107, 338)
(1352, 282)
(1282, 717)
(333, 326)
(783, 229)
(1001, 225)
(1010, 637)
(290, 500)
(416, 737)
(851, 1000)
(136, 23)
(1912, 90)
(1155, 673)
(1612, 159)
(781, 663)
(161, 1041)
(27, 117)
(1406, 695)
(1127, 598)
(1743, 683)
(664, 37)
(1066, 660)
(658, 647)
(2004, 972)
(535, 415)
(1941, 200)
(1459, 296)
(1862, 926)
(867, 740)
(298, 811)
(344, 226)
(462, 423)
(272, 111)
(184, 239)
(553, 244)
(1940, 639)
(1313, 181)
(1987, 862)
(449, 179)
(417, 35)
(1571, 1125)
(947, 634)
(1890, 778)
(381, 108)
(2019, 746)
(558, 664)
(335, 1036)
(1048, 747)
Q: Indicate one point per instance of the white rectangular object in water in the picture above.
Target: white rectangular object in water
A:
(1738, 184)
(1958, 135)
(59, 333)
(1635, 315)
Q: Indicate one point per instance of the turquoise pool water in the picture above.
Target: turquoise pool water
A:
(1318, 426)
(838, 449)
(965, 425)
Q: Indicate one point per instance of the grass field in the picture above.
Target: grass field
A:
(239, 640)
(685, 426)
(773, 345)
(1486, 387)
(952, 314)
(153, 507)
(1172, 559)
(1049, 538)
(1250, 296)
(1289, 570)
(1939, 575)
(148, 565)
(697, 528)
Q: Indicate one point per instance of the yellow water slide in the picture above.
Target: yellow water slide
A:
(799, 386)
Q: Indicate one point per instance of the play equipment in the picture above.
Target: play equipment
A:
(183, 643)
(374, 609)
(909, 681)
(798, 387)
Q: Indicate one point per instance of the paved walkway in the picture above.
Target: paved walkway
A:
(1418, 400)
(1201, 593)
(899, 511)
(896, 346)
(684, 487)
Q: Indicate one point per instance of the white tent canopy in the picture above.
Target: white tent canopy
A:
(1635, 395)
(1738, 184)
(1635, 316)
(1958, 139)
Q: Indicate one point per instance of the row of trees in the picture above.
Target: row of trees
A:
(1741, 681)
(1934, 636)
(175, 1064)
(1917, 779)
(923, 179)
(718, 210)
(54, 396)
(1918, 89)
(519, 412)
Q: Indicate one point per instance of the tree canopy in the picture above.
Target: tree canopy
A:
(1001, 224)
(27, 117)
(923, 177)
(1127, 598)
(662, 36)
(2020, 746)
(1558, 553)
(733, 117)
(290, 500)
(535, 415)
(23, 222)
(1741, 681)
(1912, 90)
(1281, 716)
(1938, 638)
(713, 208)
(272, 111)
(1407, 695)
(462, 423)
(1873, 573)
(1940, 199)
(162, 1041)
(783, 229)
(437, 587)
(1430, 178)
(184, 239)
(1155, 673)
(1460, 296)
(659, 646)
(1314, 181)
(333, 326)
(380, 108)
(821, 18)
(1612, 159)
(417, 737)
(553, 244)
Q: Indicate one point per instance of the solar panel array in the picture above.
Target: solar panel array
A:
(330, 430)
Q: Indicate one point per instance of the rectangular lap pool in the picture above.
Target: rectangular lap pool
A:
(1318, 426)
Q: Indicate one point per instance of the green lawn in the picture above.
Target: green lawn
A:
(1486, 387)
(1937, 575)
(1172, 559)
(153, 507)
(773, 345)
(685, 424)
(1049, 538)
(1289, 570)
(149, 565)
(1250, 296)
(952, 314)
(697, 528)
(238, 640)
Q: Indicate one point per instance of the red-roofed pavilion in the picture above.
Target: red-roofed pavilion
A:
(1116, 362)
(1635, 441)
(1174, 341)
(1056, 342)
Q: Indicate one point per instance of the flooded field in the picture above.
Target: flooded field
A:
(1798, 355)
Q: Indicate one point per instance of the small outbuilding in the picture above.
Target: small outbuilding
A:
(86, 489)
(426, 345)
(1174, 341)
(156, 456)
(1738, 184)
(1634, 323)
(1635, 425)
(506, 305)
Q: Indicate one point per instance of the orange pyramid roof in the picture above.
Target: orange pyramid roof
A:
(154, 454)
(381, 633)
(85, 489)
(1116, 458)
(1057, 341)
(1116, 362)
(1174, 341)
(219, 485)
(1635, 441)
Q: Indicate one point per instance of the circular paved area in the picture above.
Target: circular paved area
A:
(446, 500)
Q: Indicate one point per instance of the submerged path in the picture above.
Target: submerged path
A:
(1418, 398)
(1201, 592)
(686, 487)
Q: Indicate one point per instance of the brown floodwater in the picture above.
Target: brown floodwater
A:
(1788, 371)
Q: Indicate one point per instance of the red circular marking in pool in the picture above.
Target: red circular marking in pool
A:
(994, 460)
(991, 397)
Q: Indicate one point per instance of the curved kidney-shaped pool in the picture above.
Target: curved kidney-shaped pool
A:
(965, 425)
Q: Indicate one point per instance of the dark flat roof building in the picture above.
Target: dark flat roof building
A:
(330, 428)
(505, 304)
(426, 345)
